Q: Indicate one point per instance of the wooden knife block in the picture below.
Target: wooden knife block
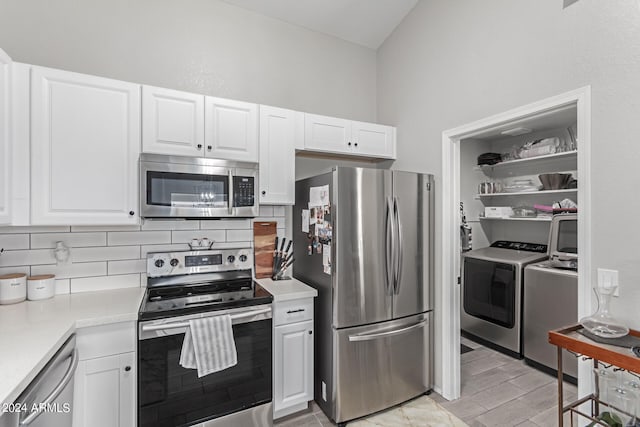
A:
(264, 243)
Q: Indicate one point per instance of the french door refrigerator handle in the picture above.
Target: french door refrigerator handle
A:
(399, 249)
(389, 248)
(386, 334)
(67, 377)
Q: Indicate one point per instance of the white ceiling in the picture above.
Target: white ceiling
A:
(364, 22)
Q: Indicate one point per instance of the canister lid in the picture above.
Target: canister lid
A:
(41, 277)
(12, 276)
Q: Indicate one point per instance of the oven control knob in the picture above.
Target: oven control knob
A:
(174, 262)
(159, 263)
(231, 259)
(243, 258)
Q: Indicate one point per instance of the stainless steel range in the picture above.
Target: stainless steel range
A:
(197, 284)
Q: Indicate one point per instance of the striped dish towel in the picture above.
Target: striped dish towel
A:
(208, 345)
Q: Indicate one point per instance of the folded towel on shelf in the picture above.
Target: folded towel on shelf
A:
(209, 346)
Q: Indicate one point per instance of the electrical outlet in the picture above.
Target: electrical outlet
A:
(324, 391)
(607, 279)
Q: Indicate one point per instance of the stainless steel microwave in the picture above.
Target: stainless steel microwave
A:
(196, 187)
(563, 241)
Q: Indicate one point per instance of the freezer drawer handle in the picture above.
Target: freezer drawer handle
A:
(295, 311)
(56, 391)
(369, 337)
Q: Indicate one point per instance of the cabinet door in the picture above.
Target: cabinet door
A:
(172, 122)
(277, 155)
(85, 142)
(327, 134)
(293, 373)
(370, 139)
(5, 140)
(231, 130)
(105, 393)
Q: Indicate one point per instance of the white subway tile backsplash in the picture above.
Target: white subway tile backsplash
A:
(110, 257)
(105, 253)
(127, 267)
(27, 257)
(63, 286)
(119, 238)
(239, 235)
(14, 241)
(81, 228)
(72, 270)
(151, 225)
(266, 210)
(36, 229)
(225, 224)
(103, 283)
(23, 269)
(72, 240)
(144, 250)
(185, 236)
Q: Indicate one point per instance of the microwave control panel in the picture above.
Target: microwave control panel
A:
(243, 191)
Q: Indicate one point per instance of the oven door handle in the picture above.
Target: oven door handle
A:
(148, 328)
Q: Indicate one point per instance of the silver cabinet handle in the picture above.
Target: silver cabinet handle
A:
(389, 246)
(386, 334)
(295, 311)
(230, 192)
(399, 248)
(56, 391)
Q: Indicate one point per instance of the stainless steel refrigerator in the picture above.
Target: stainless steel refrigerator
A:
(373, 313)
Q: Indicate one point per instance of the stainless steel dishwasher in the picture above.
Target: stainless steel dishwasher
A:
(48, 400)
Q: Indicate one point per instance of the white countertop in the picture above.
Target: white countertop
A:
(32, 331)
(285, 290)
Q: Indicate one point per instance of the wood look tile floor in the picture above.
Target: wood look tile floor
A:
(496, 390)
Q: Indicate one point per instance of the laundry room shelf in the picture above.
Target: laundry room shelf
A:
(555, 156)
(538, 219)
(528, 193)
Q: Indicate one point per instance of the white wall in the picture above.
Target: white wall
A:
(453, 62)
(203, 46)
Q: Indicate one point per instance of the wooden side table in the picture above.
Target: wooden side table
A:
(569, 339)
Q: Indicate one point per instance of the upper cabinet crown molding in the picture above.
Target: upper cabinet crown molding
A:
(231, 129)
(351, 138)
(172, 122)
(5, 138)
(85, 142)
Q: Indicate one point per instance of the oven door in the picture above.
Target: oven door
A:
(170, 395)
(196, 188)
(489, 291)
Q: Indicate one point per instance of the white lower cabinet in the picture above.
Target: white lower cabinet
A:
(105, 381)
(293, 363)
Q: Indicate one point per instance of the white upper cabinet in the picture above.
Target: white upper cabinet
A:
(370, 139)
(231, 129)
(85, 142)
(277, 155)
(339, 136)
(326, 134)
(172, 122)
(5, 138)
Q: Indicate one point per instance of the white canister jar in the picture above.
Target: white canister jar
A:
(13, 288)
(41, 287)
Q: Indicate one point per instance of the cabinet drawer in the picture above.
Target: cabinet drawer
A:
(106, 340)
(293, 311)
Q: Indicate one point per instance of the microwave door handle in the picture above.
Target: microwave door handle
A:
(230, 192)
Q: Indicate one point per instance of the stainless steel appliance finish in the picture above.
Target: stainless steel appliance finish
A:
(492, 295)
(182, 286)
(196, 187)
(550, 302)
(51, 392)
(563, 241)
(376, 303)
